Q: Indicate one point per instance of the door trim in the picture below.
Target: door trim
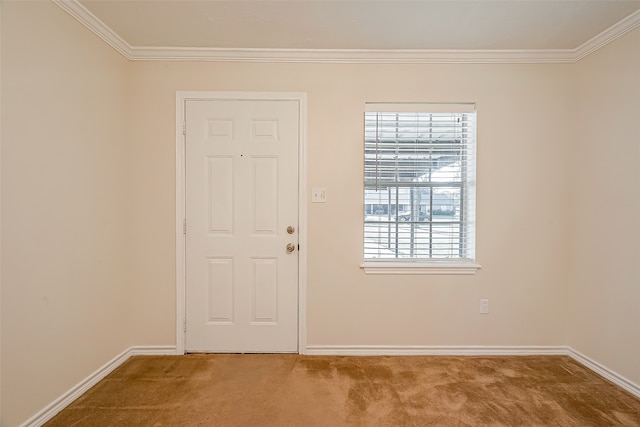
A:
(181, 98)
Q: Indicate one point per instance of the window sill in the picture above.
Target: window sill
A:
(418, 268)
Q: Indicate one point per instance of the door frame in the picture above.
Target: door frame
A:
(181, 98)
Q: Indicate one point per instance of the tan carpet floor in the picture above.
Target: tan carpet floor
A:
(296, 390)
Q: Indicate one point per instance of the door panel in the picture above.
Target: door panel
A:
(241, 195)
(220, 194)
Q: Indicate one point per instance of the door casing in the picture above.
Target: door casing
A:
(181, 98)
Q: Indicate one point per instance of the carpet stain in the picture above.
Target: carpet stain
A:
(318, 367)
(296, 390)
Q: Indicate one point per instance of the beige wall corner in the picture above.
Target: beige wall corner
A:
(604, 296)
(64, 209)
(1, 3)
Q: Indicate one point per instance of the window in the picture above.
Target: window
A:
(419, 185)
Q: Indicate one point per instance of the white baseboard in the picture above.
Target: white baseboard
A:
(63, 401)
(385, 350)
(343, 350)
(141, 350)
(605, 372)
(421, 350)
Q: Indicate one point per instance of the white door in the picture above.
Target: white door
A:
(242, 225)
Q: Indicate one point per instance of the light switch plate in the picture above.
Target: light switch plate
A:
(318, 195)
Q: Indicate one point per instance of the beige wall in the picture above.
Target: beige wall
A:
(604, 290)
(65, 303)
(1, 418)
(88, 204)
(522, 195)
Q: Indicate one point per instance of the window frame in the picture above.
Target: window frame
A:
(425, 265)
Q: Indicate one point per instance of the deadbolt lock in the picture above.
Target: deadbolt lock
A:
(291, 229)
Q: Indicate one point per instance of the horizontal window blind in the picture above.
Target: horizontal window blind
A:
(419, 182)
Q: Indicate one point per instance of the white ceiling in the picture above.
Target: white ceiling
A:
(501, 27)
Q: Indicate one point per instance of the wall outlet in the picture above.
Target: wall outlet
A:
(318, 195)
(484, 306)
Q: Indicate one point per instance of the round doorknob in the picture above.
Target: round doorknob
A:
(290, 247)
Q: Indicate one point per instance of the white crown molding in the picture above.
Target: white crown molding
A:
(99, 28)
(607, 36)
(352, 56)
(368, 56)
